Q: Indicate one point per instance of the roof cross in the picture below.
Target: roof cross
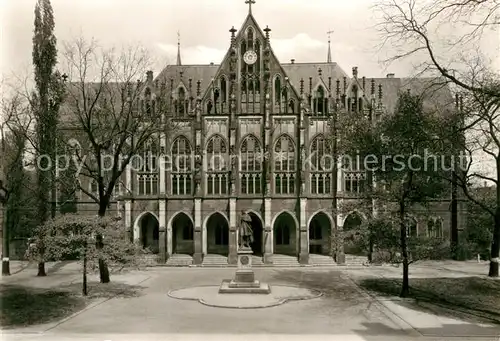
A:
(250, 3)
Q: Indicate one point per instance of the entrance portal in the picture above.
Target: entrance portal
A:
(258, 241)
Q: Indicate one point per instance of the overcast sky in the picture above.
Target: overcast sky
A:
(298, 29)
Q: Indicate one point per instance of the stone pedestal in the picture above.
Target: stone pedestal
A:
(244, 281)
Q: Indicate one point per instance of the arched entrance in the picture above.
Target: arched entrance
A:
(217, 235)
(351, 226)
(258, 233)
(320, 234)
(182, 234)
(149, 232)
(285, 235)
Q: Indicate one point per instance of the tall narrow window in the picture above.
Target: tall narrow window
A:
(284, 165)
(321, 166)
(181, 103)
(320, 104)
(277, 94)
(217, 166)
(250, 166)
(223, 90)
(181, 174)
(148, 171)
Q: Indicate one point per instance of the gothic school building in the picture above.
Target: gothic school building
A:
(251, 104)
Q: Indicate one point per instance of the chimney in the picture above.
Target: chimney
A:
(355, 72)
(293, 61)
(149, 76)
(390, 75)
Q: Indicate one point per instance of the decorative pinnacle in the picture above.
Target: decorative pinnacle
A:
(267, 30)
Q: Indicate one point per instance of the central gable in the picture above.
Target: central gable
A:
(249, 72)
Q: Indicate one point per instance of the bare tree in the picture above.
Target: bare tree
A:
(112, 109)
(448, 35)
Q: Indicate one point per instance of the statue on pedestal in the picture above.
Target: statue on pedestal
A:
(245, 231)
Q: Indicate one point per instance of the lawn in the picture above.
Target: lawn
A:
(23, 306)
(473, 295)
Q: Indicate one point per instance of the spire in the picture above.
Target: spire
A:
(329, 57)
(250, 3)
(178, 48)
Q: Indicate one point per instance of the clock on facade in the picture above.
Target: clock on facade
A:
(250, 57)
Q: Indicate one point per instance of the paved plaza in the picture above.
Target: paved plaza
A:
(343, 312)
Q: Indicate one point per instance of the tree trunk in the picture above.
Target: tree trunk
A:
(405, 289)
(103, 267)
(41, 269)
(84, 287)
(5, 242)
(454, 217)
(495, 246)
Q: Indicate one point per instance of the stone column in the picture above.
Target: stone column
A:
(162, 229)
(198, 238)
(268, 232)
(162, 168)
(233, 226)
(304, 233)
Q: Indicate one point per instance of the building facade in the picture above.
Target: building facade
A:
(250, 136)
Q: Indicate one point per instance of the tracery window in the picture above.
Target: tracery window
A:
(148, 171)
(284, 165)
(355, 181)
(181, 175)
(250, 166)
(435, 228)
(321, 166)
(217, 166)
(411, 226)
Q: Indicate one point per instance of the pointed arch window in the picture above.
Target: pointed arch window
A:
(277, 94)
(147, 175)
(321, 166)
(250, 166)
(181, 103)
(217, 166)
(320, 102)
(224, 94)
(210, 105)
(284, 165)
(182, 173)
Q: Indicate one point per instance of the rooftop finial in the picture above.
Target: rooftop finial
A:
(250, 3)
(329, 57)
(179, 48)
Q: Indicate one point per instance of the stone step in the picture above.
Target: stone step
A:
(321, 260)
(214, 260)
(180, 260)
(285, 261)
(257, 261)
(356, 260)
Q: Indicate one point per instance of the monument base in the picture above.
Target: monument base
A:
(244, 281)
(229, 286)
